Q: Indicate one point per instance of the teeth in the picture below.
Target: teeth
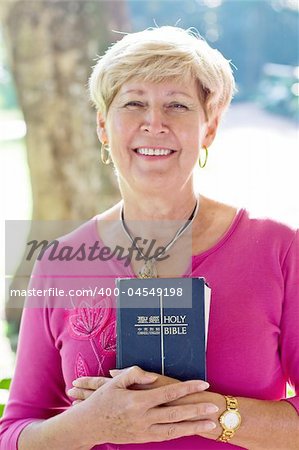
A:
(154, 152)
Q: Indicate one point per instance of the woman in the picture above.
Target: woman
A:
(160, 95)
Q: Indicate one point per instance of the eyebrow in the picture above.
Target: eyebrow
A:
(168, 94)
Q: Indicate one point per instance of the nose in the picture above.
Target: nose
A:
(154, 121)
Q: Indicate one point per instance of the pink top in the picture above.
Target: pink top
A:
(253, 342)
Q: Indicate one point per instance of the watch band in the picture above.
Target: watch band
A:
(231, 407)
(226, 436)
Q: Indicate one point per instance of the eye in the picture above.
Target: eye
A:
(133, 105)
(178, 106)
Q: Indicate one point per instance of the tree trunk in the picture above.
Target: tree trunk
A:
(51, 48)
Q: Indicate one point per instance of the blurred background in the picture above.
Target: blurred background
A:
(49, 154)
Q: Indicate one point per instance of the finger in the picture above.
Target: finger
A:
(92, 383)
(79, 394)
(171, 414)
(134, 375)
(76, 402)
(180, 429)
(115, 372)
(171, 392)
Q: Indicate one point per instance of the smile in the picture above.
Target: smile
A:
(147, 151)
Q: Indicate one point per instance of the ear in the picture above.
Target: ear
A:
(211, 131)
(101, 128)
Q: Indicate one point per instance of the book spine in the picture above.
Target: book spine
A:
(119, 352)
(162, 336)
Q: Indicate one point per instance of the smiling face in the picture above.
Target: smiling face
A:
(155, 131)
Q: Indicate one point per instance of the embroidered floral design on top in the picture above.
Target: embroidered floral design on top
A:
(81, 369)
(85, 323)
(89, 321)
(107, 338)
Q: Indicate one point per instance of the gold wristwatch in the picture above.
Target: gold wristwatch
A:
(230, 420)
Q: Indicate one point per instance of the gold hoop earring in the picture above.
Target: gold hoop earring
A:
(203, 164)
(105, 149)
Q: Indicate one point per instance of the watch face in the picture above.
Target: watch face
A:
(231, 420)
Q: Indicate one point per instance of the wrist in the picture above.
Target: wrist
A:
(57, 432)
(80, 428)
(230, 420)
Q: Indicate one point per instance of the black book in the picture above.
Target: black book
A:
(162, 325)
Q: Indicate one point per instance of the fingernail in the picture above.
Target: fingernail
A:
(211, 426)
(151, 376)
(114, 372)
(75, 383)
(204, 385)
(212, 409)
(71, 391)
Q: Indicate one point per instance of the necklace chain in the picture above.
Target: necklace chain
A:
(149, 270)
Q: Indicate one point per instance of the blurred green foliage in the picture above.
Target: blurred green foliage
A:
(4, 384)
(8, 99)
(279, 90)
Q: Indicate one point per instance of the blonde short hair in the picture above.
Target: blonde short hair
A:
(158, 54)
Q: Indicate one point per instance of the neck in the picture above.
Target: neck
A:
(162, 220)
(149, 207)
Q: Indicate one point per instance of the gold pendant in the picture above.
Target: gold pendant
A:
(149, 270)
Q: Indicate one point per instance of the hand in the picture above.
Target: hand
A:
(85, 386)
(116, 414)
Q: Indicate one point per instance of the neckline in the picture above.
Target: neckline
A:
(240, 213)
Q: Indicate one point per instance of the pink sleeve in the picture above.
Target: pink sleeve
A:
(37, 390)
(290, 321)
